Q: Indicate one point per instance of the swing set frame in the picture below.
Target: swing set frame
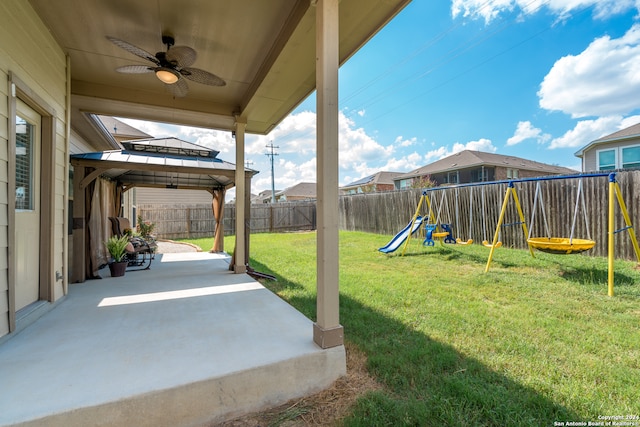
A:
(548, 244)
(614, 194)
(431, 218)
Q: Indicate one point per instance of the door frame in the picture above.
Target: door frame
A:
(19, 89)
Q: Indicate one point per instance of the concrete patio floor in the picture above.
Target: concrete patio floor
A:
(186, 343)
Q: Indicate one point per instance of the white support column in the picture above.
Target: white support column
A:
(239, 266)
(327, 331)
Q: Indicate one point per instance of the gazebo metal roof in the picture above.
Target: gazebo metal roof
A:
(162, 163)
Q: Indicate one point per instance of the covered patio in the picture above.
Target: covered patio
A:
(194, 340)
(185, 343)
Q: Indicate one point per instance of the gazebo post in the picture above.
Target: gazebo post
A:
(218, 213)
(327, 331)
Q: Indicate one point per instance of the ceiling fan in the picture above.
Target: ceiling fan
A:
(171, 67)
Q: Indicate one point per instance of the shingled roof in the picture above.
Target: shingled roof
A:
(306, 190)
(377, 178)
(468, 159)
(626, 133)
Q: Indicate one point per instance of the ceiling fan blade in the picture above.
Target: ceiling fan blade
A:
(201, 76)
(134, 69)
(178, 89)
(181, 56)
(133, 49)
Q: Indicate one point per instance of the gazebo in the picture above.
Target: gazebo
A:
(157, 163)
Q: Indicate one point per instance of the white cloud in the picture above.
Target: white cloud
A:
(156, 130)
(357, 146)
(295, 134)
(524, 131)
(218, 140)
(401, 142)
(603, 80)
(289, 173)
(482, 144)
(488, 10)
(586, 131)
(441, 152)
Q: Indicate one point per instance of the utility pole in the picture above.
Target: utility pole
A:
(273, 183)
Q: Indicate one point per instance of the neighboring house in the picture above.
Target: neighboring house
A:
(121, 131)
(163, 196)
(263, 197)
(381, 181)
(476, 166)
(301, 191)
(619, 150)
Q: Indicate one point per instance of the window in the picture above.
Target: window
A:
(480, 175)
(452, 178)
(512, 173)
(606, 159)
(630, 157)
(618, 158)
(24, 164)
(405, 183)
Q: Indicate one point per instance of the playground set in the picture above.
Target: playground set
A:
(433, 227)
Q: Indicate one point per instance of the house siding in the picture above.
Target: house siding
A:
(385, 187)
(590, 160)
(29, 52)
(501, 173)
(162, 196)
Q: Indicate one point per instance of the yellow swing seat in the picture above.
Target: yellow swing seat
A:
(440, 234)
(561, 245)
(462, 242)
(489, 245)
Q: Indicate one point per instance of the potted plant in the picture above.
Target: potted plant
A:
(145, 228)
(117, 247)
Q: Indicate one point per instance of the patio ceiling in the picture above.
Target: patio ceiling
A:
(264, 50)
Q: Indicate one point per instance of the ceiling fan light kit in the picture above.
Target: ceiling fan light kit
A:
(171, 67)
(167, 75)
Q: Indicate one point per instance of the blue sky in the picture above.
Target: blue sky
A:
(531, 78)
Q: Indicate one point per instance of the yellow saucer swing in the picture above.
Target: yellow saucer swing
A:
(549, 244)
(560, 245)
(571, 245)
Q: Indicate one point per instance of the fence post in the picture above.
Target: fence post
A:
(271, 218)
(189, 222)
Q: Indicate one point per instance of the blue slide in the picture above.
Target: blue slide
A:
(400, 238)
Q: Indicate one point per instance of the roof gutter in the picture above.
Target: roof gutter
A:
(102, 130)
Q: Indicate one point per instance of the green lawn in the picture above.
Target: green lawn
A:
(530, 343)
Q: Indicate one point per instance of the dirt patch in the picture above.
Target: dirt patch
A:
(325, 408)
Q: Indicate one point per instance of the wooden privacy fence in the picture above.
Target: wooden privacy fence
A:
(196, 220)
(474, 211)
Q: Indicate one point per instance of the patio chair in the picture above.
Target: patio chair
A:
(140, 252)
